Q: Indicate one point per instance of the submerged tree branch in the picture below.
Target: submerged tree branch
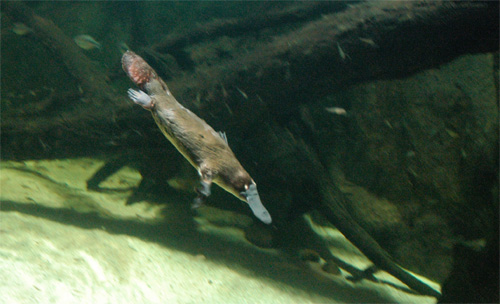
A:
(92, 79)
(295, 13)
(365, 41)
(373, 40)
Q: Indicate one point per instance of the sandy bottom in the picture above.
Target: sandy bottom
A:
(60, 243)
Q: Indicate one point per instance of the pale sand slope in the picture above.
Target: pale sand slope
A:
(60, 243)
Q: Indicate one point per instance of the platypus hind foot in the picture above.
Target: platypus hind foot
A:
(203, 192)
(198, 202)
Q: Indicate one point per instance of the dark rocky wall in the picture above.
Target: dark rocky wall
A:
(425, 148)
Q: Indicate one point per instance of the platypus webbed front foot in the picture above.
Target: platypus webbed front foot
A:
(141, 98)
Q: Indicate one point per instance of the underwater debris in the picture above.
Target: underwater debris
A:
(337, 110)
(410, 153)
(342, 54)
(369, 41)
(21, 29)
(45, 146)
(388, 123)
(224, 92)
(228, 108)
(452, 133)
(87, 42)
(242, 93)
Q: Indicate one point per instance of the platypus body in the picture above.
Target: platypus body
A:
(207, 150)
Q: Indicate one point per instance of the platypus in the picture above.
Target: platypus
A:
(207, 150)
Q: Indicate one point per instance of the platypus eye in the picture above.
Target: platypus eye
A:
(246, 186)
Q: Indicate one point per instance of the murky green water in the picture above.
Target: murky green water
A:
(361, 123)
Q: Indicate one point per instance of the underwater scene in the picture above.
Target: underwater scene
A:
(249, 152)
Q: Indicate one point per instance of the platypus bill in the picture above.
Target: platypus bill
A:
(204, 148)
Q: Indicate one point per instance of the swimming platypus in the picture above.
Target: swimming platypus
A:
(207, 150)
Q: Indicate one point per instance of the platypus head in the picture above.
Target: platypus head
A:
(245, 189)
(253, 200)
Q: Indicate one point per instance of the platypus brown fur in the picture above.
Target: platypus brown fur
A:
(207, 150)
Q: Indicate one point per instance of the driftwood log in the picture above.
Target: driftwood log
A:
(298, 12)
(321, 53)
(70, 125)
(361, 42)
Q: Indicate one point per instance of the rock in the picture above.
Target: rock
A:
(259, 235)
(331, 268)
(309, 255)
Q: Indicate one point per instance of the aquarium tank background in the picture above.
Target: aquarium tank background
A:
(369, 128)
